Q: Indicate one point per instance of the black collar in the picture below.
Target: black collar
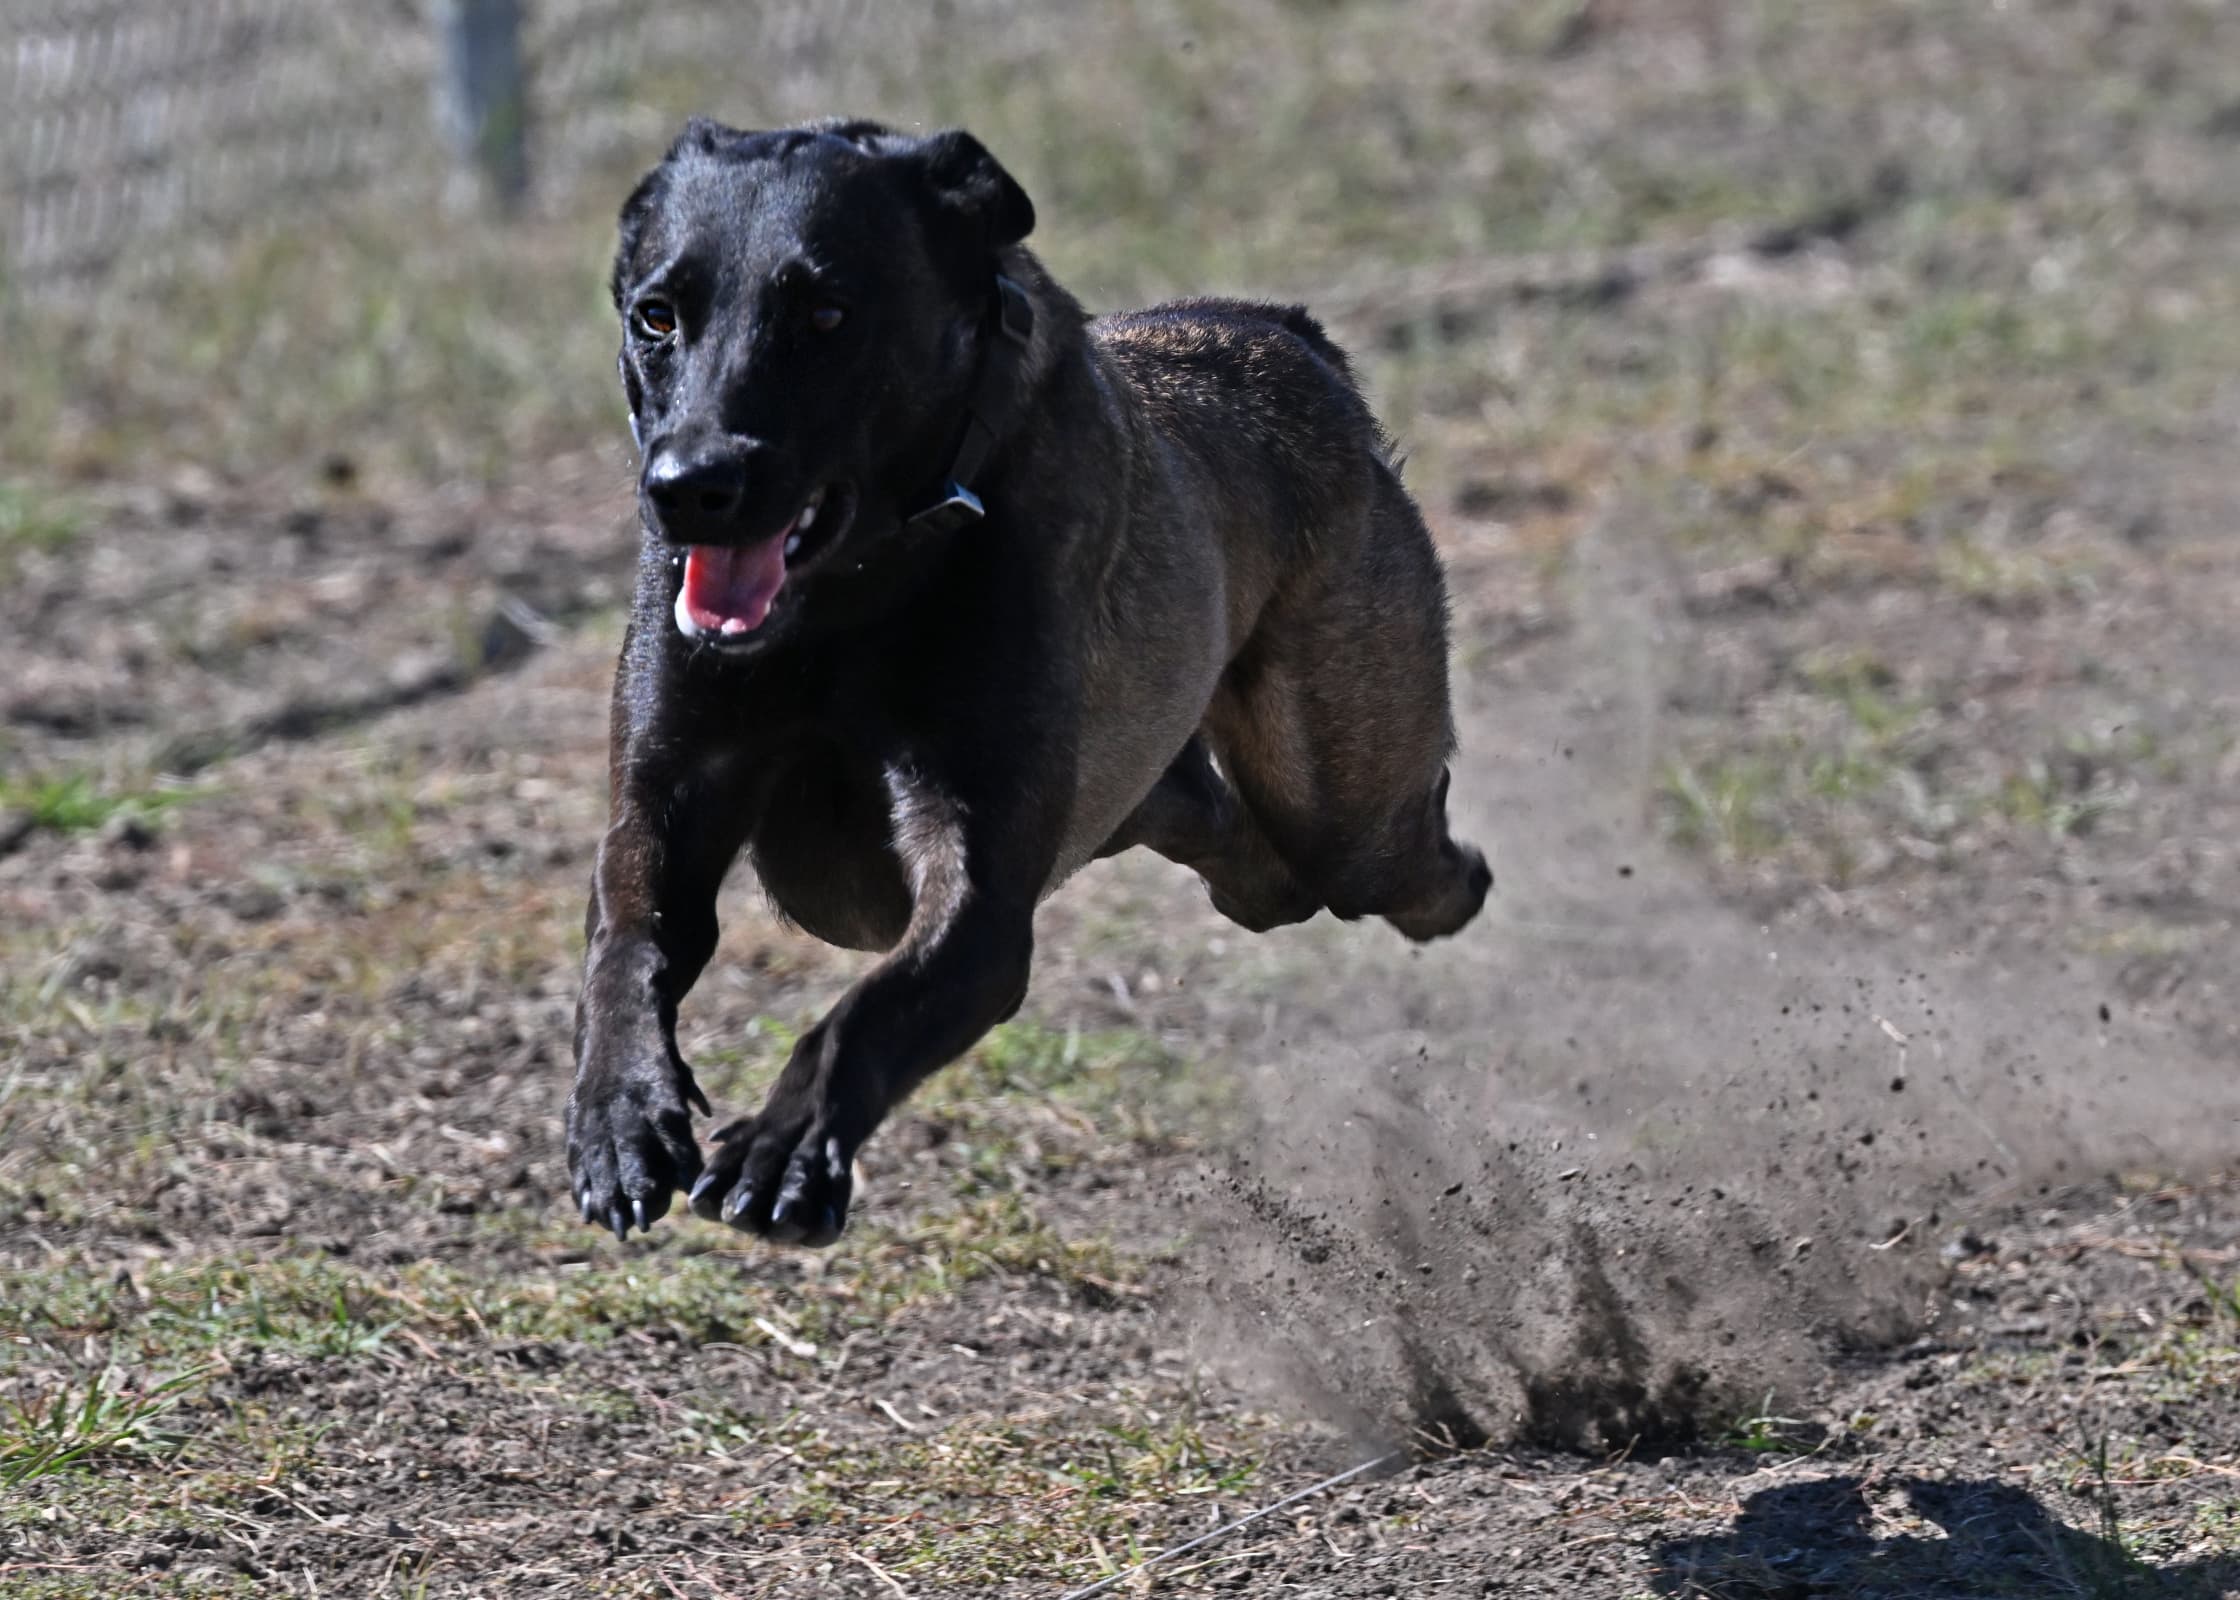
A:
(988, 414)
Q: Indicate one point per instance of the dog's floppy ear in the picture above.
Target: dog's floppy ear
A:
(970, 186)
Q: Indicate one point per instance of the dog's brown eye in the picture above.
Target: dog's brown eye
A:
(826, 318)
(656, 319)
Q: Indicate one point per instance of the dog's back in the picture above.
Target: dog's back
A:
(1251, 342)
(1263, 403)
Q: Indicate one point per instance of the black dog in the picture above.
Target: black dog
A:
(946, 590)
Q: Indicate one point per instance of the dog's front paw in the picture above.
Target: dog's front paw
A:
(784, 1173)
(630, 1145)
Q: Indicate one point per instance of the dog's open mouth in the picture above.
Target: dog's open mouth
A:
(729, 589)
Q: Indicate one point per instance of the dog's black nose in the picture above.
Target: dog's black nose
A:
(697, 487)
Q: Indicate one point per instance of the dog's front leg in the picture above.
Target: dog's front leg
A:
(959, 969)
(650, 929)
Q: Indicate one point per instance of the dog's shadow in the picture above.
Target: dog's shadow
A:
(1806, 1541)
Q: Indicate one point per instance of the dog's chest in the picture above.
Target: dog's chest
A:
(824, 850)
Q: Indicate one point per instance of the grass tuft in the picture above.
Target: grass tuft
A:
(1764, 1433)
(31, 519)
(75, 803)
(1723, 807)
(73, 1428)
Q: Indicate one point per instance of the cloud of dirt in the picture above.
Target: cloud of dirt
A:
(1616, 1164)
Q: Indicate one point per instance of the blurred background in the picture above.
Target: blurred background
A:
(1827, 411)
(1850, 316)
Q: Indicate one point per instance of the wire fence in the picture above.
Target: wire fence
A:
(131, 127)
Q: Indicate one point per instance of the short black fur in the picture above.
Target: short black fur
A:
(1201, 616)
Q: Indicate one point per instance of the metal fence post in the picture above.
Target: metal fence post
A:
(482, 95)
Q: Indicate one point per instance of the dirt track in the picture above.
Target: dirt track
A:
(315, 1020)
(1805, 1180)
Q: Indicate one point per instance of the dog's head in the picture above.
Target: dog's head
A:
(802, 315)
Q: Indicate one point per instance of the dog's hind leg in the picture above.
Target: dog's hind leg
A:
(1333, 724)
(1193, 817)
(1437, 883)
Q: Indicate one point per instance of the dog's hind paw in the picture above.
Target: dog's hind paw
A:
(1460, 895)
(781, 1174)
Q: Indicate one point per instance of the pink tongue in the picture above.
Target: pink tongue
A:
(728, 589)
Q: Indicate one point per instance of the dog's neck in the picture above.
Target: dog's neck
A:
(1029, 322)
(1058, 317)
(992, 408)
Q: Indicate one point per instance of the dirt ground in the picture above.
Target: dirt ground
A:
(1815, 1175)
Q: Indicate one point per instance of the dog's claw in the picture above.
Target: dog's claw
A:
(692, 1092)
(630, 1147)
(734, 1203)
(700, 1188)
(802, 1202)
(786, 1212)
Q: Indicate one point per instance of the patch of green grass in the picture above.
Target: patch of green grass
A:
(934, 1499)
(318, 1306)
(2004, 580)
(940, 1505)
(2190, 1365)
(1830, 795)
(1170, 1458)
(1112, 1073)
(1126, 1082)
(2065, 799)
(1845, 776)
(2222, 1294)
(1784, 799)
(33, 519)
(1860, 682)
(1726, 806)
(304, 1305)
(75, 1426)
(75, 802)
(2215, 1525)
(1764, 1433)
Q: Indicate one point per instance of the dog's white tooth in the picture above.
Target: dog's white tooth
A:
(807, 518)
(793, 544)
